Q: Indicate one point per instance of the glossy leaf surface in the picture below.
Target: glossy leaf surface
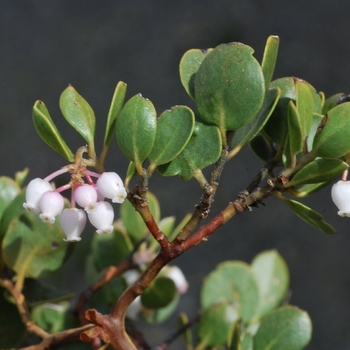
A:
(229, 86)
(286, 328)
(114, 110)
(277, 126)
(272, 276)
(203, 149)
(136, 129)
(235, 283)
(174, 129)
(319, 170)
(296, 136)
(189, 65)
(333, 138)
(269, 59)
(78, 114)
(47, 130)
(247, 132)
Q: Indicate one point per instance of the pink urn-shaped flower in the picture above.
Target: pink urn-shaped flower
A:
(111, 186)
(73, 222)
(102, 217)
(35, 189)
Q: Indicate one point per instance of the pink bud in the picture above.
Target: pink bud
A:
(51, 204)
(111, 186)
(35, 189)
(73, 222)
(102, 217)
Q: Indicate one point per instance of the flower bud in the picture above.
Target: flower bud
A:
(86, 196)
(35, 189)
(341, 197)
(51, 204)
(73, 222)
(111, 186)
(102, 217)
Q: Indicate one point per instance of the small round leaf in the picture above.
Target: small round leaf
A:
(232, 282)
(286, 328)
(136, 129)
(229, 86)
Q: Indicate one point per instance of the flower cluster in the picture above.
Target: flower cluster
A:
(43, 199)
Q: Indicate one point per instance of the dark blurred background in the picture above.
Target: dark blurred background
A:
(46, 45)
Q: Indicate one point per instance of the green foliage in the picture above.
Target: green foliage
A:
(241, 307)
(136, 129)
(48, 131)
(229, 86)
(302, 138)
(202, 150)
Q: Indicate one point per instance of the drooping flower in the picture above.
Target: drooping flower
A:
(73, 222)
(111, 186)
(86, 196)
(35, 189)
(102, 217)
(51, 204)
(341, 197)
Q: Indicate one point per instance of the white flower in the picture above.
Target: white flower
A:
(86, 196)
(341, 197)
(102, 217)
(51, 204)
(111, 186)
(178, 277)
(73, 222)
(35, 189)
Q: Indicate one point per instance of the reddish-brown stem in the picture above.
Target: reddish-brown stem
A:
(108, 275)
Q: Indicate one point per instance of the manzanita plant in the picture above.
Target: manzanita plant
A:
(303, 141)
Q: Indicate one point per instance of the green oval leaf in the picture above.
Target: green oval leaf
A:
(246, 133)
(269, 59)
(78, 114)
(203, 149)
(174, 129)
(333, 137)
(261, 148)
(295, 135)
(47, 130)
(319, 170)
(133, 221)
(331, 102)
(234, 283)
(159, 294)
(136, 129)
(32, 248)
(308, 215)
(286, 328)
(272, 276)
(114, 110)
(215, 323)
(189, 65)
(229, 86)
